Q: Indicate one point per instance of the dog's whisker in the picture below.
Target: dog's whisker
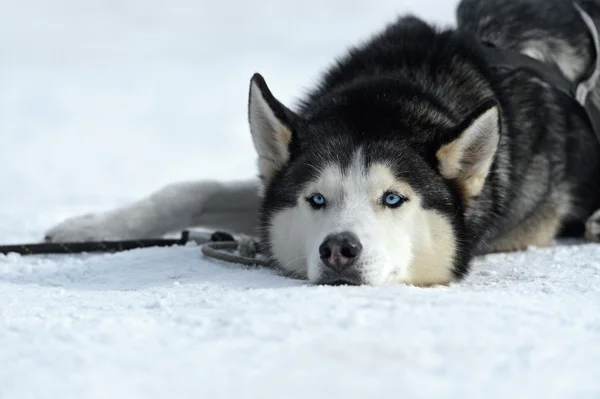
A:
(294, 260)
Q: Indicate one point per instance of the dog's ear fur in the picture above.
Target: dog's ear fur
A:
(272, 127)
(468, 158)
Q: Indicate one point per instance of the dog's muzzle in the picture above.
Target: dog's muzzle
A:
(339, 255)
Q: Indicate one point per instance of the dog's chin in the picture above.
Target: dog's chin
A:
(319, 274)
(370, 273)
(354, 276)
(337, 280)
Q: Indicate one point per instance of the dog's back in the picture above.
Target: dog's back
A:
(551, 31)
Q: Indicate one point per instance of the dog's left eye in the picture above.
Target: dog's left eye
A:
(393, 200)
(317, 201)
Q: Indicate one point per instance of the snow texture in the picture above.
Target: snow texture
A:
(102, 102)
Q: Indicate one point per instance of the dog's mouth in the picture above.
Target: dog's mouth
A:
(337, 283)
(337, 280)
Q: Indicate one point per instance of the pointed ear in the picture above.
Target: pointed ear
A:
(469, 157)
(272, 128)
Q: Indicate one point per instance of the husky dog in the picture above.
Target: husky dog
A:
(411, 156)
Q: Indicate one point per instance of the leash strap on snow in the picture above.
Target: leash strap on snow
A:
(221, 251)
(108, 246)
(579, 92)
(218, 245)
(91, 246)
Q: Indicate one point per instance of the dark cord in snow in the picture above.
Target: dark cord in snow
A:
(218, 245)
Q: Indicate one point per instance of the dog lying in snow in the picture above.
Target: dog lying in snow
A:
(412, 154)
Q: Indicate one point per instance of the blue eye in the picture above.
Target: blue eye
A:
(317, 201)
(393, 200)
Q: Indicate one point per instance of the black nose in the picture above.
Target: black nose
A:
(338, 251)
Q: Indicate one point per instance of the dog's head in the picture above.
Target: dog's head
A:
(346, 205)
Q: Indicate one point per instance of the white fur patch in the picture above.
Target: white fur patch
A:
(404, 245)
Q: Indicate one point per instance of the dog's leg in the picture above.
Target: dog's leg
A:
(592, 227)
(538, 230)
(228, 206)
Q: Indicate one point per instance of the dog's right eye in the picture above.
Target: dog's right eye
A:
(393, 200)
(316, 201)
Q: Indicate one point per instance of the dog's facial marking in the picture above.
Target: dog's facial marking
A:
(400, 241)
(434, 251)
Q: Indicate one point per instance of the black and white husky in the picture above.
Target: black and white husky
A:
(412, 155)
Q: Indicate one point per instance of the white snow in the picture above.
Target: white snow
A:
(102, 102)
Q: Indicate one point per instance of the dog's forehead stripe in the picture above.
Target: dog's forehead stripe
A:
(359, 180)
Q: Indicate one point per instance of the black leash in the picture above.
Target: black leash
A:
(218, 245)
(111, 246)
(579, 91)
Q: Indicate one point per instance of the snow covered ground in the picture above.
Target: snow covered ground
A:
(104, 101)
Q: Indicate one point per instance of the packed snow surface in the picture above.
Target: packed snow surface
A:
(102, 102)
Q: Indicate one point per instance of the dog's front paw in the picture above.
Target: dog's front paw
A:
(89, 227)
(592, 227)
